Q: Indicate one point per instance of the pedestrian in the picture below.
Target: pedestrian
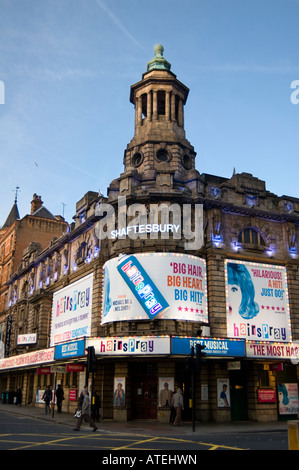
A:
(81, 397)
(19, 397)
(85, 412)
(60, 397)
(178, 403)
(47, 396)
(97, 406)
(172, 410)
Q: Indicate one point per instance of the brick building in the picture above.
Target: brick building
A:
(170, 259)
(33, 232)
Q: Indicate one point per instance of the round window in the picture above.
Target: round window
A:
(187, 162)
(162, 156)
(137, 159)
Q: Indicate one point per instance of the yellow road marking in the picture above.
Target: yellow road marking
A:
(136, 443)
(37, 444)
(132, 444)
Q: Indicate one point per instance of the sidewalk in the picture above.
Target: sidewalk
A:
(149, 427)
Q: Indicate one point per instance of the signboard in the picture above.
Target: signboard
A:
(44, 371)
(223, 393)
(257, 302)
(72, 349)
(71, 311)
(131, 345)
(7, 336)
(261, 350)
(73, 394)
(213, 346)
(288, 398)
(58, 369)
(119, 394)
(27, 339)
(155, 285)
(142, 286)
(75, 367)
(266, 395)
(166, 389)
(42, 356)
(39, 396)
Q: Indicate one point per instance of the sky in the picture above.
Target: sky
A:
(66, 68)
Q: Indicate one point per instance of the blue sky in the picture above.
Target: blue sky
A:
(67, 67)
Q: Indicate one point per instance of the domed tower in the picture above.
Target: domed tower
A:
(159, 156)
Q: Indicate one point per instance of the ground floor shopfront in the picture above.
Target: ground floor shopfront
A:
(237, 380)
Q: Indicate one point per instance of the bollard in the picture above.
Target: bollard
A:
(293, 434)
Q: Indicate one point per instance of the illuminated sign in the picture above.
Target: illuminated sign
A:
(142, 286)
(155, 285)
(41, 356)
(130, 345)
(213, 346)
(263, 350)
(257, 302)
(29, 338)
(71, 349)
(145, 228)
(71, 311)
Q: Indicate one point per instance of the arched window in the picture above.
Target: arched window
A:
(251, 236)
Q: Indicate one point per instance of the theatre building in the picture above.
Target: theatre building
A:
(170, 259)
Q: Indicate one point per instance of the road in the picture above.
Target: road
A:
(19, 432)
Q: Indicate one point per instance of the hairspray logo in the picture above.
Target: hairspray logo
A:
(144, 289)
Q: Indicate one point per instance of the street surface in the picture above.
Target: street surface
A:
(19, 432)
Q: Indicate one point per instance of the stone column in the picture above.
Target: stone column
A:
(138, 110)
(173, 107)
(167, 105)
(181, 114)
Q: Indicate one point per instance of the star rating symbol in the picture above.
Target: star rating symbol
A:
(268, 307)
(191, 309)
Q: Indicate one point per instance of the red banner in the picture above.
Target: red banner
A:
(75, 367)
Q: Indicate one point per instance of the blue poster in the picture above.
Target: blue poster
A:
(213, 347)
(71, 349)
(144, 289)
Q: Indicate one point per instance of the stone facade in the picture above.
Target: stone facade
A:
(22, 238)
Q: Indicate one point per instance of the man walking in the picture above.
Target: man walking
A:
(85, 412)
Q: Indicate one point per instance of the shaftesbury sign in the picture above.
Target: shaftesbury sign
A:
(152, 221)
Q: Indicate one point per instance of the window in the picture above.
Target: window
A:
(263, 378)
(161, 102)
(187, 162)
(162, 156)
(137, 159)
(251, 236)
